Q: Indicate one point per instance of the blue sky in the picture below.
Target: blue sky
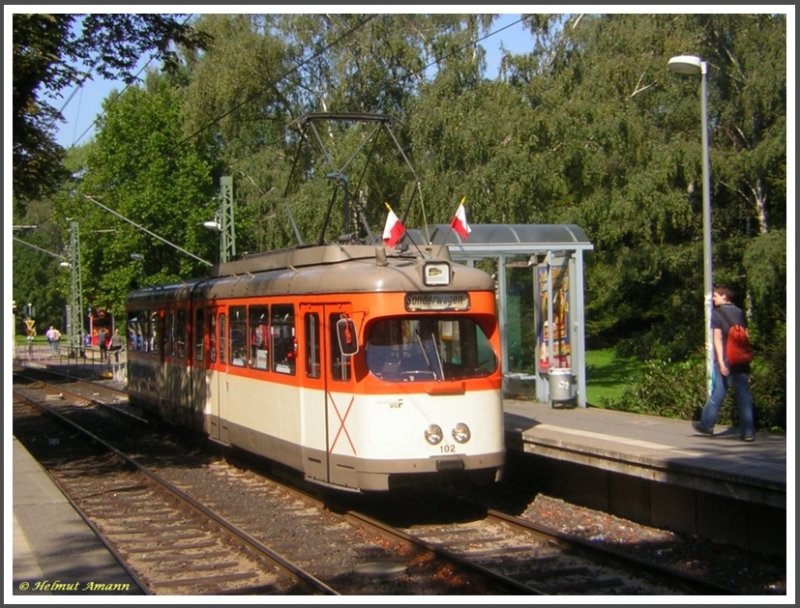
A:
(82, 106)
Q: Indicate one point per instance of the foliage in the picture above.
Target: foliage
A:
(765, 268)
(768, 382)
(677, 389)
(52, 53)
(136, 168)
(37, 158)
(40, 282)
(37, 278)
(667, 388)
(589, 127)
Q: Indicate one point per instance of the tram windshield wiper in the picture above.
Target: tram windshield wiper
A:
(432, 343)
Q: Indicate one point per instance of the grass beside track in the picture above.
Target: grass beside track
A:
(607, 374)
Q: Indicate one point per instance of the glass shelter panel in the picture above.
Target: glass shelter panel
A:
(520, 333)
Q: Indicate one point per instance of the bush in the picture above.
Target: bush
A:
(678, 390)
(664, 388)
(768, 383)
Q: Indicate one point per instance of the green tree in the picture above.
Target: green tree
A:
(590, 128)
(52, 52)
(136, 168)
(295, 64)
(236, 105)
(38, 278)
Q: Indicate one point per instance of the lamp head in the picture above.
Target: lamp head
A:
(686, 64)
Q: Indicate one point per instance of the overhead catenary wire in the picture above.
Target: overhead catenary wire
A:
(351, 31)
(150, 232)
(87, 75)
(279, 79)
(283, 76)
(39, 249)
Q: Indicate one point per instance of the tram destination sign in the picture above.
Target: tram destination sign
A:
(437, 301)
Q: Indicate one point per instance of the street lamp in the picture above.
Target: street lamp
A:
(691, 65)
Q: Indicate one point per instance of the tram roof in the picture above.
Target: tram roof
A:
(506, 238)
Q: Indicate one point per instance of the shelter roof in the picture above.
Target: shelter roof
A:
(506, 238)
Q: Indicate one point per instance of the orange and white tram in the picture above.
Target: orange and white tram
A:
(363, 368)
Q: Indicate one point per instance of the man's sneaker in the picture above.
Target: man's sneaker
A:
(748, 438)
(699, 428)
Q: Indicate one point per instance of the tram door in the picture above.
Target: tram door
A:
(217, 367)
(327, 396)
(198, 355)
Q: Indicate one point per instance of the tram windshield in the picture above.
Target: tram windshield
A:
(428, 348)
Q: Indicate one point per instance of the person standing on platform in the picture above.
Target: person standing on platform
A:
(724, 315)
(53, 335)
(57, 341)
(116, 344)
(102, 342)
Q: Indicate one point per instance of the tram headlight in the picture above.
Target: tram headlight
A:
(433, 434)
(461, 433)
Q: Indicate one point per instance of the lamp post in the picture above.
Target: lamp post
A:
(691, 65)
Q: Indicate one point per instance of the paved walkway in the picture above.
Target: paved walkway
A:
(55, 552)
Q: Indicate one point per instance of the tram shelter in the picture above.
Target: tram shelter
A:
(538, 269)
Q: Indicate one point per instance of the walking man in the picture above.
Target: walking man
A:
(725, 315)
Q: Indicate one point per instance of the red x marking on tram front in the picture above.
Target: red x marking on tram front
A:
(341, 424)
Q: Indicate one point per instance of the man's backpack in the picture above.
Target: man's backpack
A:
(738, 350)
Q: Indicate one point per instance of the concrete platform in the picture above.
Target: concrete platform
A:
(658, 471)
(55, 552)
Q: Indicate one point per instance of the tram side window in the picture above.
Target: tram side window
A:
(259, 337)
(144, 326)
(212, 336)
(341, 366)
(238, 321)
(135, 341)
(179, 342)
(222, 330)
(169, 332)
(312, 327)
(155, 332)
(145, 321)
(199, 355)
(284, 346)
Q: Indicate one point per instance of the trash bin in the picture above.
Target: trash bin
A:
(562, 388)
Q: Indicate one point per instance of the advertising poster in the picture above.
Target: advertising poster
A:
(561, 346)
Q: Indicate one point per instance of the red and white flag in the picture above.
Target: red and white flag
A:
(394, 230)
(459, 223)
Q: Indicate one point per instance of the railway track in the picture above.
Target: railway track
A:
(529, 558)
(299, 529)
(452, 548)
(167, 541)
